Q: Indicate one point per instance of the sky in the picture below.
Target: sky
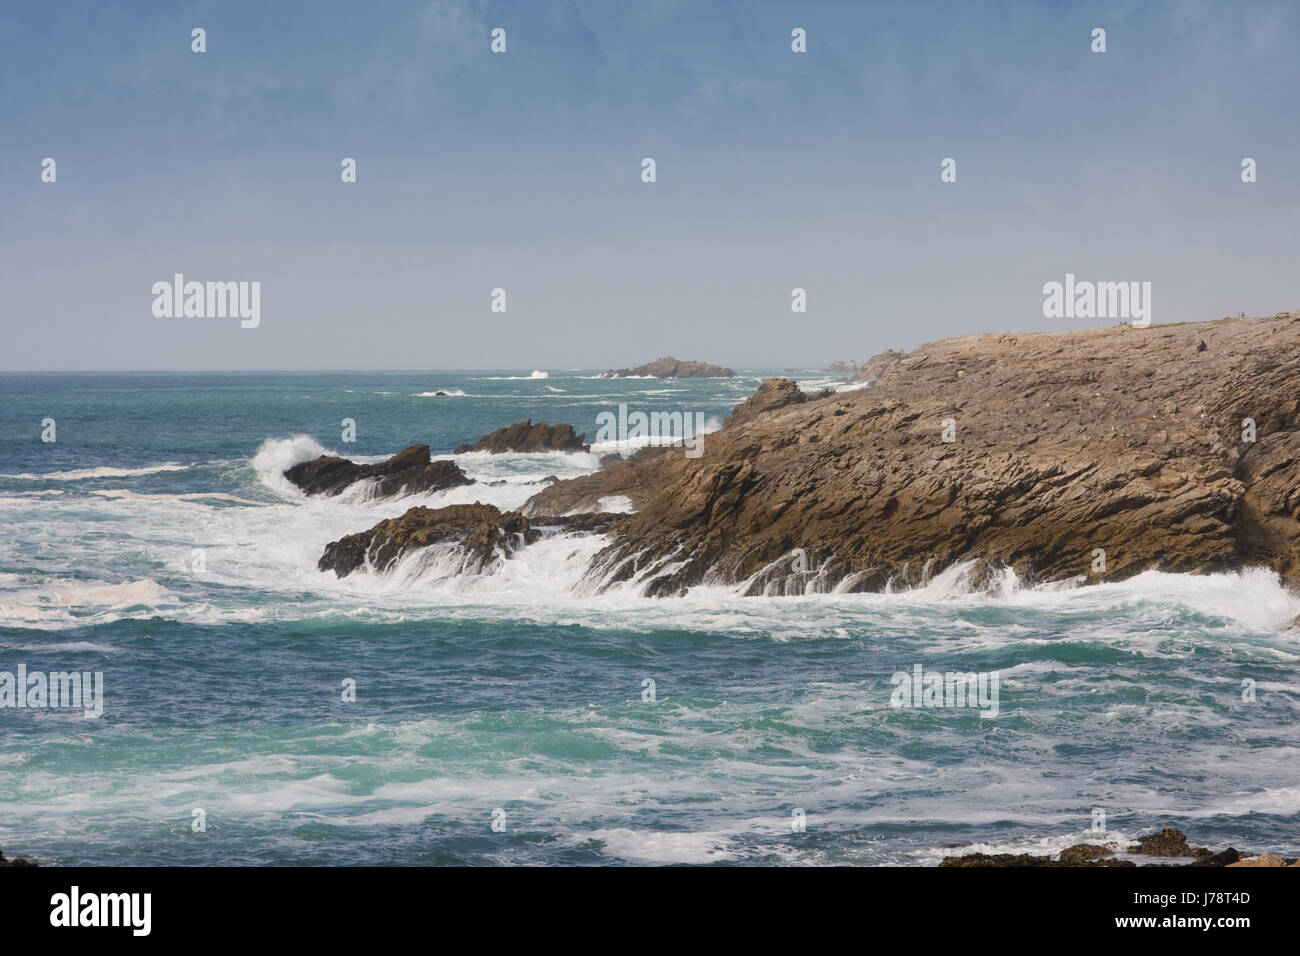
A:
(522, 171)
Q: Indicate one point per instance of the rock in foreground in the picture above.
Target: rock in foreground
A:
(410, 472)
(669, 367)
(1169, 842)
(526, 437)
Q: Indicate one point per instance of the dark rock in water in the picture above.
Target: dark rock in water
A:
(410, 472)
(526, 437)
(1083, 853)
(998, 859)
(1226, 858)
(17, 861)
(1168, 842)
(669, 367)
(484, 536)
(1025, 452)
(484, 533)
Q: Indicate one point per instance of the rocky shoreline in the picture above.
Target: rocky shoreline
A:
(1168, 844)
(1076, 456)
(1061, 457)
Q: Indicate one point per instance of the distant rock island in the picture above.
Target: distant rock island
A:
(850, 367)
(669, 367)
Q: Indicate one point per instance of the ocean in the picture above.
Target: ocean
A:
(508, 718)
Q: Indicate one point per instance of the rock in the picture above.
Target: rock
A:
(669, 367)
(636, 477)
(484, 534)
(1264, 859)
(841, 366)
(1062, 445)
(1168, 842)
(1083, 853)
(614, 458)
(17, 861)
(774, 393)
(1226, 858)
(410, 472)
(998, 859)
(526, 437)
(877, 365)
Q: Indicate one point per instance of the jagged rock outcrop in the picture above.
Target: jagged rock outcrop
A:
(638, 478)
(669, 367)
(839, 365)
(410, 472)
(877, 365)
(482, 536)
(1089, 455)
(526, 437)
(16, 861)
(774, 393)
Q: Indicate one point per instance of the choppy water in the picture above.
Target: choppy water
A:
(508, 691)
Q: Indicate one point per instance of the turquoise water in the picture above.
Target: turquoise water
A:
(517, 691)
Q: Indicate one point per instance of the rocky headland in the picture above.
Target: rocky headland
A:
(1089, 455)
(669, 367)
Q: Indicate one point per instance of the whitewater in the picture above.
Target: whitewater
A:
(158, 542)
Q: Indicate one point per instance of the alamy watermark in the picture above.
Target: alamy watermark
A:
(210, 300)
(660, 428)
(1098, 300)
(38, 690)
(969, 689)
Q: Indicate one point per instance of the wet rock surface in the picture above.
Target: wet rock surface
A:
(483, 533)
(483, 536)
(410, 471)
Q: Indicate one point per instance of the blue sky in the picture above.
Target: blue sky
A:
(522, 171)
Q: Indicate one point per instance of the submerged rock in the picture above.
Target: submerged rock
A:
(526, 437)
(1077, 456)
(410, 471)
(669, 367)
